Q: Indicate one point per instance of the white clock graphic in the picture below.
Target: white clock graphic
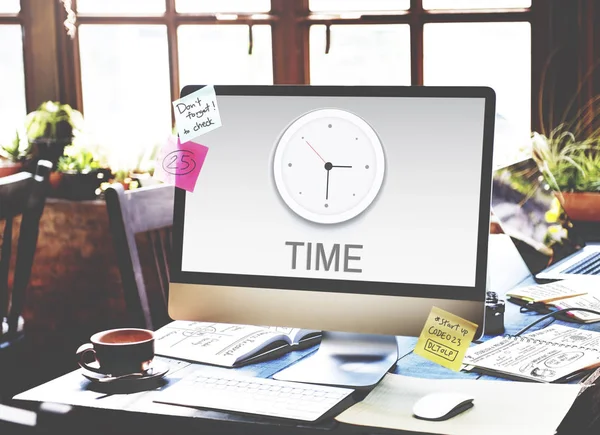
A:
(328, 165)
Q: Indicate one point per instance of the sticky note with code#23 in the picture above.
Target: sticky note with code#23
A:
(445, 338)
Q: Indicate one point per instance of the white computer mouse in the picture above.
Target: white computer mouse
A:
(442, 405)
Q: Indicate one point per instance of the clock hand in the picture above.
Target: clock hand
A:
(328, 167)
(311, 147)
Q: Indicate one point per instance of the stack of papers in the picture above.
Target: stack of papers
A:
(582, 292)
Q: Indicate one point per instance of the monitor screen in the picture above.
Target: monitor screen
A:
(355, 190)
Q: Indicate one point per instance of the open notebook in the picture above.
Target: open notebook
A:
(552, 354)
(228, 345)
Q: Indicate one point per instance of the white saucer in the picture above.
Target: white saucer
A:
(157, 370)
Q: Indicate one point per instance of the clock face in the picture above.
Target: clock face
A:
(328, 166)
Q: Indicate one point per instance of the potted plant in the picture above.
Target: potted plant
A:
(13, 155)
(571, 167)
(51, 128)
(569, 159)
(79, 173)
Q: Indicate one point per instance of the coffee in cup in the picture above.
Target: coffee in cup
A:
(119, 351)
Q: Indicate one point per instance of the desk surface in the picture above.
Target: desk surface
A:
(101, 411)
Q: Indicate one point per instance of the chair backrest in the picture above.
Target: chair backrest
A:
(22, 194)
(145, 213)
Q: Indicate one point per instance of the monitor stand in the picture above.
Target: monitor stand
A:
(345, 359)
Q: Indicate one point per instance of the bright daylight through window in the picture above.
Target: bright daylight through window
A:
(133, 57)
(12, 85)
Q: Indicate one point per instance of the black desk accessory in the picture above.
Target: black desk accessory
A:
(494, 314)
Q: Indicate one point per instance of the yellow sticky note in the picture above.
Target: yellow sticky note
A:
(445, 338)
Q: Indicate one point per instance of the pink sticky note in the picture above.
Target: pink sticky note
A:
(180, 164)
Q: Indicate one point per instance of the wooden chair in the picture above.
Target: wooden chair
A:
(136, 217)
(22, 194)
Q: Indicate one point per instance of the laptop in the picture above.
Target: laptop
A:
(527, 210)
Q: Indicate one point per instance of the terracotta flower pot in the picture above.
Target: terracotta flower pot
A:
(8, 167)
(55, 180)
(581, 206)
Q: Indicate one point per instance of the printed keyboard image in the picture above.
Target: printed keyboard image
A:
(268, 397)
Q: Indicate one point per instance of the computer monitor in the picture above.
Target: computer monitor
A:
(342, 209)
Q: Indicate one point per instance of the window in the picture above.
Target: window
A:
(125, 88)
(223, 56)
(10, 7)
(140, 53)
(222, 6)
(372, 6)
(121, 7)
(383, 42)
(491, 54)
(135, 55)
(12, 85)
(476, 4)
(360, 55)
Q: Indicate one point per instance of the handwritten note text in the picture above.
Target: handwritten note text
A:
(197, 113)
(180, 164)
(445, 338)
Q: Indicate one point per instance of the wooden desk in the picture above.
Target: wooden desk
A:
(102, 413)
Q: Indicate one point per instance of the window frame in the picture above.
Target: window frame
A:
(290, 23)
(172, 20)
(17, 18)
(416, 17)
(23, 19)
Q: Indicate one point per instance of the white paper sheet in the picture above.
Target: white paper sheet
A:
(554, 290)
(500, 407)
